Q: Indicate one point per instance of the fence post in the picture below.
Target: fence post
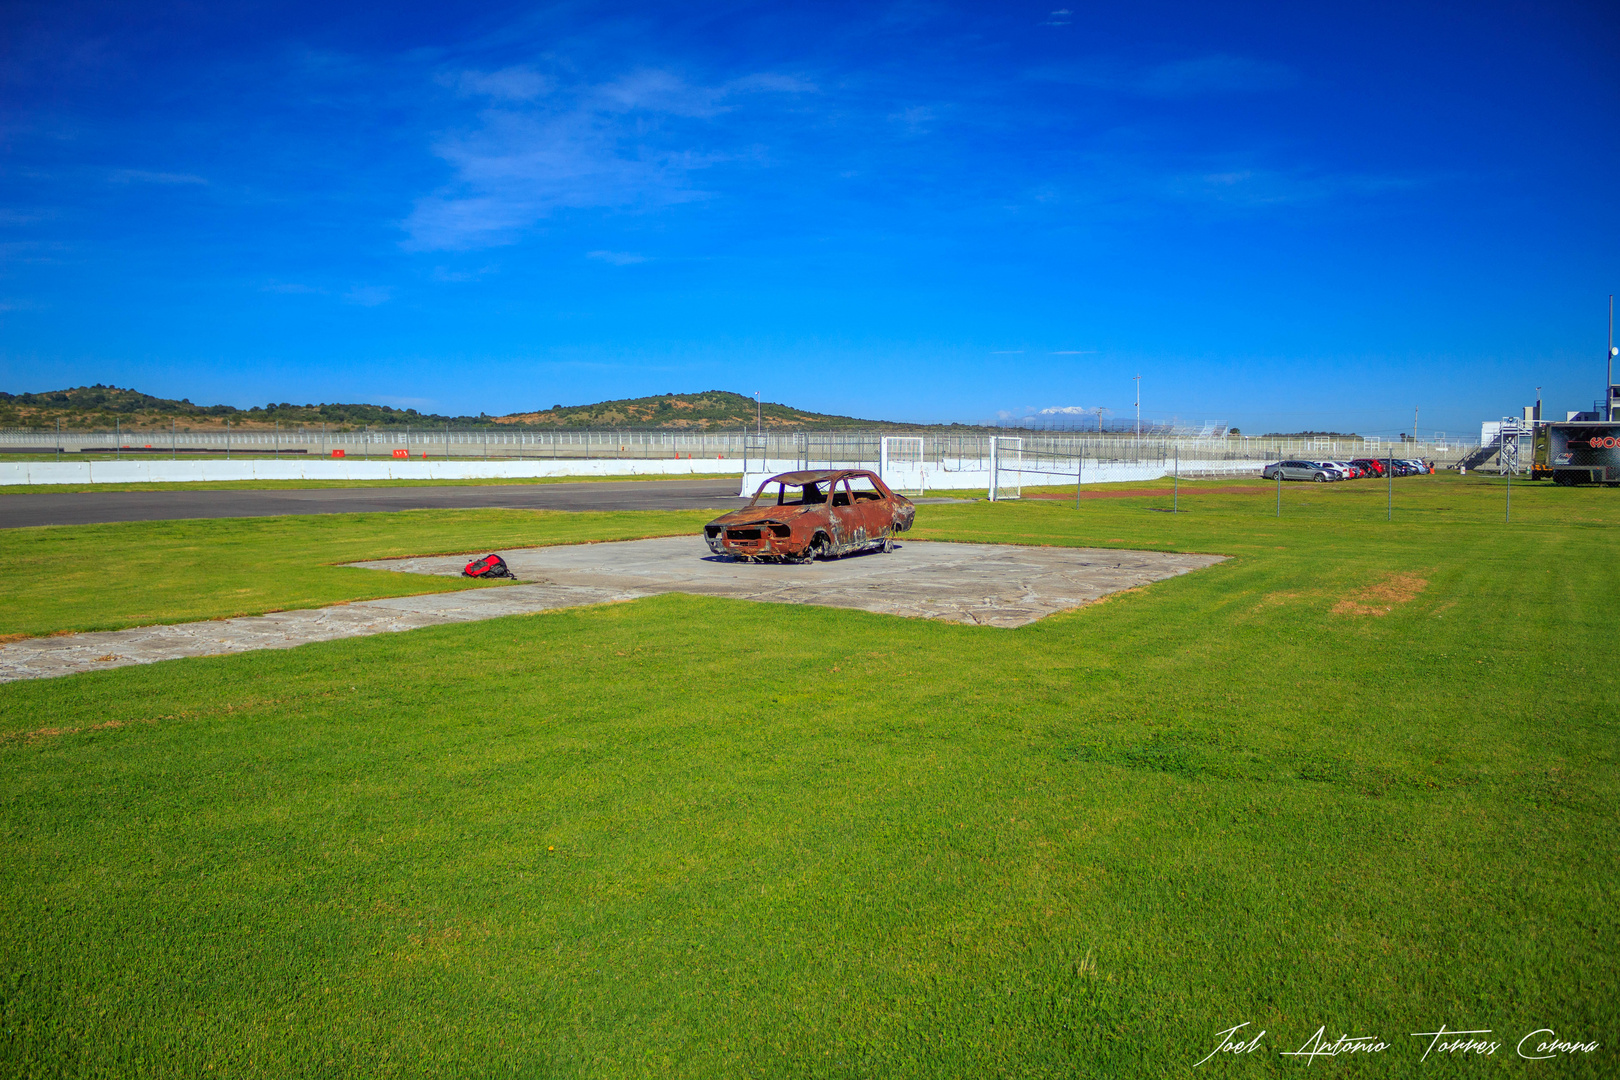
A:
(994, 475)
(1389, 509)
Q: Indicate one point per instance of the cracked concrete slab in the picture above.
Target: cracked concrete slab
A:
(987, 584)
(1000, 585)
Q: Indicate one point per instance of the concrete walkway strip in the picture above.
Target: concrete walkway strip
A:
(982, 584)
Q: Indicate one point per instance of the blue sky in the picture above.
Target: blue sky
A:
(1279, 217)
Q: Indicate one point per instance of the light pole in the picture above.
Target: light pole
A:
(1608, 390)
(759, 408)
(1138, 380)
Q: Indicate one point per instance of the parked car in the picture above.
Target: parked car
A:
(1298, 470)
(1370, 466)
(1332, 469)
(801, 516)
(1349, 469)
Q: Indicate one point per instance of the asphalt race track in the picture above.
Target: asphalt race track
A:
(93, 507)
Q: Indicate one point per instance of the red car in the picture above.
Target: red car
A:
(800, 516)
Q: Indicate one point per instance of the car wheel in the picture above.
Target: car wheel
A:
(1319, 478)
(888, 544)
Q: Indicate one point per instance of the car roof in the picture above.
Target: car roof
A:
(816, 476)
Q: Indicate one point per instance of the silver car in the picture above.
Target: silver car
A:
(1299, 470)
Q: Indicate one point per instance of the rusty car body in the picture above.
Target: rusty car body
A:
(820, 513)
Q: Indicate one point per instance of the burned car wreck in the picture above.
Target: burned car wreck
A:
(818, 514)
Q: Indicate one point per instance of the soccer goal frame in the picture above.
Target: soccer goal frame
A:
(901, 464)
(1006, 468)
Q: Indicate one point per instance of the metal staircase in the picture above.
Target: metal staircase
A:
(1483, 454)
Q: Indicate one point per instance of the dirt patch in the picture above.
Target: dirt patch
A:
(1381, 598)
(53, 732)
(1113, 596)
(1137, 493)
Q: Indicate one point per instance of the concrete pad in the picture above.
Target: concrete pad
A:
(1002, 585)
(982, 584)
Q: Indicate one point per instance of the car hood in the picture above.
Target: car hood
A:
(748, 515)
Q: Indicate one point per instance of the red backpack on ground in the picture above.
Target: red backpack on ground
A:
(490, 566)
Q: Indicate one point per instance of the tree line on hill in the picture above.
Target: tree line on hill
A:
(100, 406)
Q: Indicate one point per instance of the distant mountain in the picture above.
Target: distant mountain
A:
(714, 410)
(103, 406)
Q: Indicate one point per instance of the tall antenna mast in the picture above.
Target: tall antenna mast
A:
(1608, 389)
(1138, 379)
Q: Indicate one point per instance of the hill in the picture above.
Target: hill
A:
(713, 410)
(101, 406)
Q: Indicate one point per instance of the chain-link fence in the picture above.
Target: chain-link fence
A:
(938, 453)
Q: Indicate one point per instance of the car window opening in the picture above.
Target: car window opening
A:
(863, 489)
(791, 495)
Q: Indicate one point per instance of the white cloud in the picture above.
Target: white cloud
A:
(1217, 73)
(916, 120)
(1258, 187)
(444, 273)
(369, 295)
(655, 91)
(12, 216)
(617, 258)
(142, 176)
(508, 84)
(771, 81)
(536, 148)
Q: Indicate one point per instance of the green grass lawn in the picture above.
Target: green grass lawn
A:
(1360, 776)
(107, 577)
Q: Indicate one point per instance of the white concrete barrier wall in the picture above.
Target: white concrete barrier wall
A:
(125, 472)
(971, 479)
(158, 471)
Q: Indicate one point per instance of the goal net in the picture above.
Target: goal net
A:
(900, 463)
(1006, 468)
